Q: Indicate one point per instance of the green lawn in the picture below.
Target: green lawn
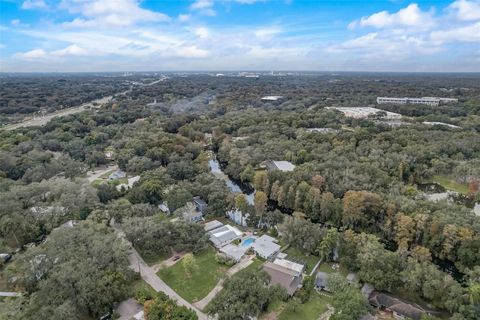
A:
(201, 282)
(298, 254)
(326, 267)
(450, 184)
(308, 311)
(256, 264)
(140, 284)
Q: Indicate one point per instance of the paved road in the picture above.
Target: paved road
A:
(43, 120)
(10, 294)
(149, 276)
(245, 262)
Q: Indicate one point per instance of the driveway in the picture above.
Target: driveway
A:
(98, 172)
(245, 262)
(128, 309)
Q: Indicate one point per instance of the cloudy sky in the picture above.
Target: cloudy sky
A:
(343, 35)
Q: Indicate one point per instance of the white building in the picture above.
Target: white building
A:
(297, 267)
(272, 98)
(431, 101)
(266, 247)
(224, 235)
(365, 112)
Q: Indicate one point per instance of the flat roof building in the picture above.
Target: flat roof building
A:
(211, 225)
(224, 235)
(266, 247)
(431, 101)
(284, 166)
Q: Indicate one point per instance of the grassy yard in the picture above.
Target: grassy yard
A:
(140, 284)
(252, 267)
(326, 267)
(450, 184)
(298, 254)
(308, 311)
(201, 281)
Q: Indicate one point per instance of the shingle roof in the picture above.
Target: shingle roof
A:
(412, 311)
(287, 278)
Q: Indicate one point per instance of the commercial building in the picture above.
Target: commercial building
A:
(431, 101)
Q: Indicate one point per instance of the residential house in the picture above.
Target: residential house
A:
(284, 166)
(298, 267)
(321, 281)
(233, 252)
(211, 225)
(266, 247)
(189, 213)
(224, 235)
(399, 308)
(117, 174)
(200, 204)
(290, 279)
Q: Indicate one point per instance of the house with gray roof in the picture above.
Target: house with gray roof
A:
(284, 166)
(290, 279)
(233, 252)
(266, 247)
(224, 235)
(399, 308)
(117, 174)
(211, 225)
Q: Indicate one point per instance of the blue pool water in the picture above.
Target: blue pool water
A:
(247, 242)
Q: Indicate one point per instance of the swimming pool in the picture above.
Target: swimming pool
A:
(247, 242)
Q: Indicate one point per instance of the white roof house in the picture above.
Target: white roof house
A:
(284, 166)
(224, 235)
(234, 252)
(211, 225)
(289, 264)
(266, 247)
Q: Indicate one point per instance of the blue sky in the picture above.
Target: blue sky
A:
(341, 35)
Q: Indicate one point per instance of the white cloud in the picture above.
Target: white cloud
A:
(411, 16)
(109, 13)
(201, 4)
(191, 52)
(469, 33)
(384, 47)
(466, 10)
(267, 32)
(201, 32)
(72, 50)
(15, 22)
(204, 7)
(184, 17)
(34, 4)
(33, 54)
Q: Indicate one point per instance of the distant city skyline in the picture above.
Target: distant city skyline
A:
(202, 35)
